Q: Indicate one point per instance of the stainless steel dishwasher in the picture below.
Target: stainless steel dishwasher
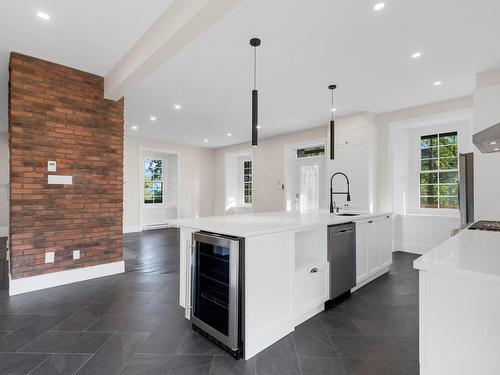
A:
(342, 258)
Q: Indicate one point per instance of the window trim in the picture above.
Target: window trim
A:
(453, 212)
(163, 168)
(242, 182)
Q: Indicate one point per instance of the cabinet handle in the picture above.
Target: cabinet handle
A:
(370, 222)
(314, 270)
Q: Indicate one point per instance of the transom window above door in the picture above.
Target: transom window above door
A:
(308, 152)
(439, 176)
(153, 181)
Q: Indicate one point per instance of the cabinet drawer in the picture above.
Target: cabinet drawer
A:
(310, 288)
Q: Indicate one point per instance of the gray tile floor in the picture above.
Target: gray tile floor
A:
(131, 324)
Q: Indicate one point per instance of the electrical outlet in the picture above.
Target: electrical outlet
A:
(49, 257)
(76, 254)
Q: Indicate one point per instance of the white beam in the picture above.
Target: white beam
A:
(181, 23)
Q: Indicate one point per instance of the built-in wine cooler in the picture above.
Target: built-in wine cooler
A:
(217, 284)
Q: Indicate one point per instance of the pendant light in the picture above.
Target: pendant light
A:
(332, 126)
(255, 42)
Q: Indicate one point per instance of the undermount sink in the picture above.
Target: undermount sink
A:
(348, 214)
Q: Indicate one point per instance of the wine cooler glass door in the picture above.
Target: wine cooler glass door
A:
(215, 297)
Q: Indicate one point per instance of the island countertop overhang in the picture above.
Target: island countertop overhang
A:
(255, 224)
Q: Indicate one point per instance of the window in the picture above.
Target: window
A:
(153, 181)
(247, 182)
(439, 170)
(310, 151)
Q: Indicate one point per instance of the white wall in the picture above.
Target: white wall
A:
(195, 179)
(268, 170)
(487, 166)
(356, 156)
(417, 230)
(4, 180)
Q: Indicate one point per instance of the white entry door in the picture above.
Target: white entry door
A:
(309, 183)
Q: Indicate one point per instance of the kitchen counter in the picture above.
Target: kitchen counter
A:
(470, 253)
(459, 294)
(256, 224)
(281, 250)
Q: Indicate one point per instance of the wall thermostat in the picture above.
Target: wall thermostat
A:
(51, 166)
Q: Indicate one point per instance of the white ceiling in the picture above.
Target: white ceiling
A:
(91, 35)
(306, 46)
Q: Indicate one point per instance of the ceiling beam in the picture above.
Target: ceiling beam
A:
(181, 23)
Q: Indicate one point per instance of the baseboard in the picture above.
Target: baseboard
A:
(309, 312)
(155, 226)
(412, 247)
(4, 231)
(30, 284)
(370, 279)
(132, 229)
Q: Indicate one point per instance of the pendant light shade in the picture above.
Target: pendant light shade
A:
(332, 126)
(255, 42)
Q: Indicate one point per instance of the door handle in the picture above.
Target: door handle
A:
(314, 270)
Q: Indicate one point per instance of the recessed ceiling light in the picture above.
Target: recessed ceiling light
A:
(229, 134)
(378, 6)
(416, 55)
(437, 83)
(496, 149)
(205, 140)
(177, 107)
(493, 143)
(152, 118)
(43, 15)
(134, 127)
(259, 127)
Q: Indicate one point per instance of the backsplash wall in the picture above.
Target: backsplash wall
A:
(59, 113)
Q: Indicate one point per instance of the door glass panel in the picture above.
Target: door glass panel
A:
(309, 186)
(211, 300)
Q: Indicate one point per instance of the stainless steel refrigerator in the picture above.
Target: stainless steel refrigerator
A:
(466, 189)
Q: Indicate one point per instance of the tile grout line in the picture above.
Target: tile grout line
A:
(41, 363)
(88, 359)
(211, 365)
(296, 354)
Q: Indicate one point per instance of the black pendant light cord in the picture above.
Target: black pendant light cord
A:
(255, 67)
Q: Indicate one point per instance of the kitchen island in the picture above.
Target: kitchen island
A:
(286, 264)
(459, 286)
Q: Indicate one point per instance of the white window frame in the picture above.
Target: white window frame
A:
(163, 168)
(418, 159)
(242, 182)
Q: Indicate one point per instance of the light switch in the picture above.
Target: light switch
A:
(76, 254)
(49, 257)
(52, 166)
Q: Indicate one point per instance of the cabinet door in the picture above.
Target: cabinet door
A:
(373, 248)
(385, 240)
(361, 251)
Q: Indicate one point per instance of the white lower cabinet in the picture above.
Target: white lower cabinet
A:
(373, 246)
(311, 287)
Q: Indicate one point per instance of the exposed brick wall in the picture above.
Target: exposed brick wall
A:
(59, 113)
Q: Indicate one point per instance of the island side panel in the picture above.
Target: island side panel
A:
(269, 274)
(185, 243)
(462, 325)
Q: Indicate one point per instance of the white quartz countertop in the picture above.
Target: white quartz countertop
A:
(247, 225)
(470, 253)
